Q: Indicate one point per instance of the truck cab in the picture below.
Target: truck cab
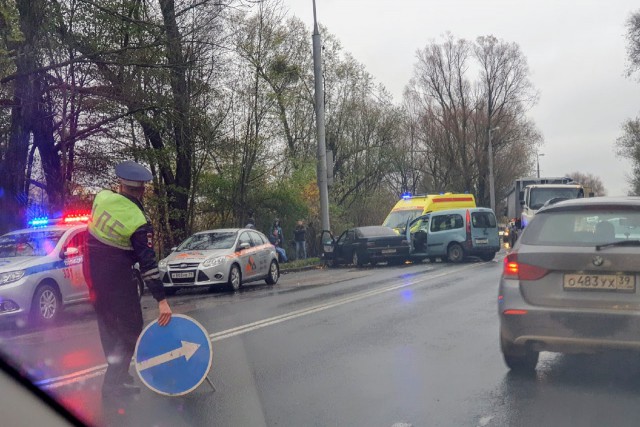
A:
(533, 197)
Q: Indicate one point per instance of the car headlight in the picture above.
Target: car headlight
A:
(11, 276)
(162, 263)
(211, 262)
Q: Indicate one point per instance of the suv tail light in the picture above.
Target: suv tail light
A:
(517, 270)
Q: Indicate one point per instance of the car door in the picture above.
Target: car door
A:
(246, 256)
(73, 285)
(261, 254)
(484, 230)
(328, 245)
(444, 229)
(340, 247)
(417, 234)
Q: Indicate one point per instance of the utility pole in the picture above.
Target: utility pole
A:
(322, 150)
(492, 189)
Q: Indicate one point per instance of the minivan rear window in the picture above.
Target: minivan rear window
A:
(483, 220)
(583, 228)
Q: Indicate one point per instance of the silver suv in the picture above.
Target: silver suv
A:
(571, 282)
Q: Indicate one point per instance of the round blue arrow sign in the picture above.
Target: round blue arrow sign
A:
(173, 360)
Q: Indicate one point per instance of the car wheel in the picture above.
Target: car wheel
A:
(46, 305)
(519, 358)
(488, 257)
(274, 273)
(355, 260)
(432, 259)
(139, 284)
(235, 278)
(455, 253)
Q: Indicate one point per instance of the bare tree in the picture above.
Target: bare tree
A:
(591, 182)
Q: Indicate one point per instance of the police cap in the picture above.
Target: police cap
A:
(133, 174)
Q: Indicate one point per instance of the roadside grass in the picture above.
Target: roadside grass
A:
(299, 263)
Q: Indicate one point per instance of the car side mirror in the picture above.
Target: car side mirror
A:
(70, 252)
(173, 249)
(244, 245)
(521, 202)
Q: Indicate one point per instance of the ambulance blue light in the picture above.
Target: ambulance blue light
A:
(35, 222)
(406, 196)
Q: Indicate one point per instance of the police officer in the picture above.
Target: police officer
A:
(121, 235)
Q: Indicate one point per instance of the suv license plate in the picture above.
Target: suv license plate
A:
(600, 282)
(182, 275)
(482, 241)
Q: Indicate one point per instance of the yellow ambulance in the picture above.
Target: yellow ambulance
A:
(410, 207)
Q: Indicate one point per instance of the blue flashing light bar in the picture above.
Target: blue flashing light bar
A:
(35, 222)
(406, 196)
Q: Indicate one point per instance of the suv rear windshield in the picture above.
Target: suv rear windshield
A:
(586, 227)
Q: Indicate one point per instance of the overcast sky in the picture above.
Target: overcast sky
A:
(576, 52)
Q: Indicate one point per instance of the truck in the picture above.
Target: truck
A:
(528, 195)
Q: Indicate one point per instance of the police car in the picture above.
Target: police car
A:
(41, 269)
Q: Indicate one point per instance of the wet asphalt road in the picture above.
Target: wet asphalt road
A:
(388, 346)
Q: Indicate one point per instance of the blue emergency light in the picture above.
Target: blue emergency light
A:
(406, 195)
(37, 222)
(69, 219)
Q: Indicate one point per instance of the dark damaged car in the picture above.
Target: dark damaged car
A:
(365, 245)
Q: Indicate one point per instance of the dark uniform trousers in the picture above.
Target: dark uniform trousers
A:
(117, 305)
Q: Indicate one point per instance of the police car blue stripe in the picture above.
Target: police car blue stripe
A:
(44, 267)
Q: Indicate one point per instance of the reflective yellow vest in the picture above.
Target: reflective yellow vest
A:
(114, 218)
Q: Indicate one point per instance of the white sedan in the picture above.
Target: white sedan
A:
(231, 256)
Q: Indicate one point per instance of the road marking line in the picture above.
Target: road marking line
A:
(80, 376)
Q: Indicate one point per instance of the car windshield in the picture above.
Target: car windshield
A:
(375, 232)
(540, 196)
(398, 219)
(586, 227)
(29, 243)
(209, 241)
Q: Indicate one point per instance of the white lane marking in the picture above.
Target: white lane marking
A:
(80, 376)
(186, 350)
(402, 425)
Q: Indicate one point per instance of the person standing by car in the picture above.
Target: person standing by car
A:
(277, 228)
(120, 235)
(300, 237)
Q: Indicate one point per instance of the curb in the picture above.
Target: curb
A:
(316, 266)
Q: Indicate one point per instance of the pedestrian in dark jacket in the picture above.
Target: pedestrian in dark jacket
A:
(300, 237)
(277, 228)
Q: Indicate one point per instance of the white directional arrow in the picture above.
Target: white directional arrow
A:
(187, 350)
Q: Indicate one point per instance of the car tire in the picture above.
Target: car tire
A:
(488, 257)
(432, 259)
(274, 273)
(356, 260)
(139, 284)
(46, 305)
(235, 278)
(519, 359)
(455, 253)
